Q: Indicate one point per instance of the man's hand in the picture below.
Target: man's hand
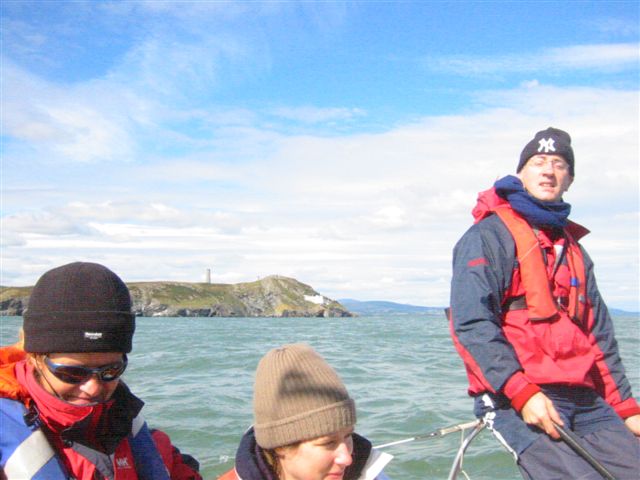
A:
(633, 424)
(539, 411)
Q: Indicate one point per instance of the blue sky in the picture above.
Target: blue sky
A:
(340, 143)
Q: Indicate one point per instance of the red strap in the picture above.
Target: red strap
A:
(124, 465)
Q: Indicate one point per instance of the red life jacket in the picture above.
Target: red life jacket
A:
(544, 310)
(541, 303)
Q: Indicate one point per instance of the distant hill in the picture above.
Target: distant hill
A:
(378, 307)
(616, 312)
(272, 296)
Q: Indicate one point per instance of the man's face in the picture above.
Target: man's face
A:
(546, 177)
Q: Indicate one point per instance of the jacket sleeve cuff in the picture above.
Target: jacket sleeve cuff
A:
(628, 408)
(519, 390)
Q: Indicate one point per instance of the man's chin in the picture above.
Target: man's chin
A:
(547, 196)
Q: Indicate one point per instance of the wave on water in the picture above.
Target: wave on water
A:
(195, 376)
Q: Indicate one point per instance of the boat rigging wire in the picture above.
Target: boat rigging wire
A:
(436, 433)
(456, 467)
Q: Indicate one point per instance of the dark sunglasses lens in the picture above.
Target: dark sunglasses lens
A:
(71, 374)
(74, 375)
(109, 374)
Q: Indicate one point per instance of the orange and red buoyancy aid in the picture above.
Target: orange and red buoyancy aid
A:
(540, 302)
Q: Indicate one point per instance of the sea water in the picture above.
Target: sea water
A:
(196, 377)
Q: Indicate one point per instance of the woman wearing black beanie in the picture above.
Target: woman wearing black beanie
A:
(64, 411)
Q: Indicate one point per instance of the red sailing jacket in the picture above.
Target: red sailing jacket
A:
(519, 320)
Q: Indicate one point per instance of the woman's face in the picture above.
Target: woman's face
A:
(323, 458)
(92, 390)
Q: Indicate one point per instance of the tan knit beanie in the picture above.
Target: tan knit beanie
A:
(297, 396)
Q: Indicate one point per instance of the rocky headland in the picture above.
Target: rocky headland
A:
(273, 296)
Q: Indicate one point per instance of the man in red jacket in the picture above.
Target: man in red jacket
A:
(534, 333)
(64, 411)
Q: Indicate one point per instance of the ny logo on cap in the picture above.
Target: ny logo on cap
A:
(546, 144)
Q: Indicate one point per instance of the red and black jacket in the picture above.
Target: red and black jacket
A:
(520, 321)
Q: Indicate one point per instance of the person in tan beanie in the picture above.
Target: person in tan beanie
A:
(304, 424)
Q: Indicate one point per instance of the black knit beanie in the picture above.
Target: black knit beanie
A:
(79, 307)
(551, 141)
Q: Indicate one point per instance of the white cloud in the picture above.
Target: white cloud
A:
(594, 56)
(162, 68)
(337, 212)
(74, 124)
(11, 239)
(45, 223)
(309, 114)
(616, 26)
(612, 57)
(389, 217)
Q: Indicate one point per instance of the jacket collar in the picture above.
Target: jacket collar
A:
(488, 200)
(101, 427)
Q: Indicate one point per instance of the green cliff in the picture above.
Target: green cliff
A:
(273, 296)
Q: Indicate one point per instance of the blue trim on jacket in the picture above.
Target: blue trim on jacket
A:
(15, 431)
(149, 464)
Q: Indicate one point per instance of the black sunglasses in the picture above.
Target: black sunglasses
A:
(76, 374)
